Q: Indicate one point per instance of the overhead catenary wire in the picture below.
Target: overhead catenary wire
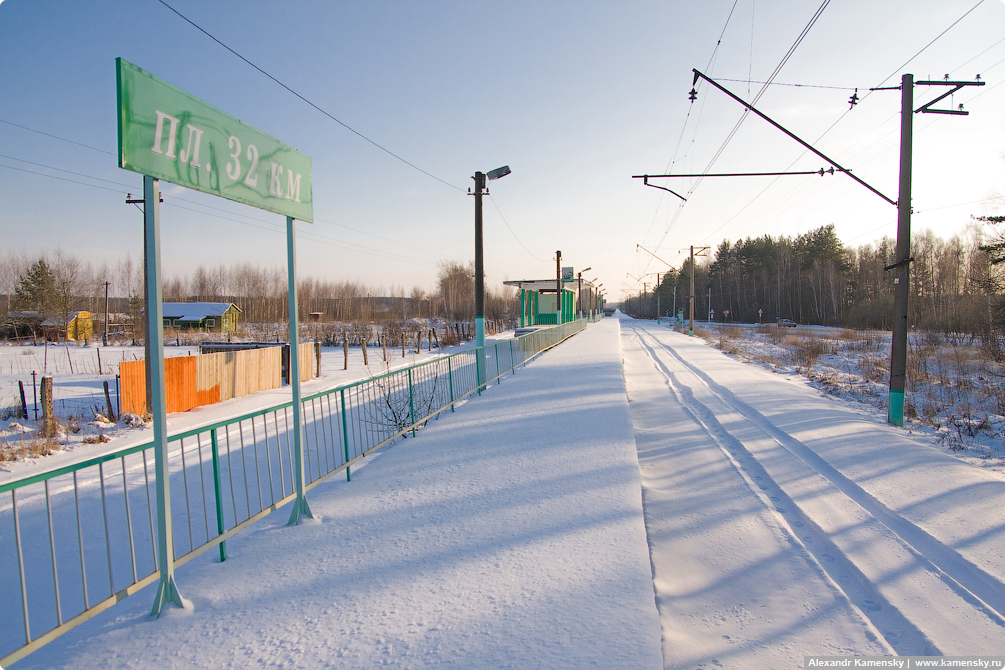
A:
(815, 184)
(304, 99)
(250, 220)
(680, 137)
(799, 39)
(845, 114)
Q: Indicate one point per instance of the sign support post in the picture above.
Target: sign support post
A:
(167, 590)
(301, 509)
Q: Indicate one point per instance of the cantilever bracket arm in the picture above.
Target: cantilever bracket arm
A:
(927, 109)
(906, 261)
(645, 180)
(805, 144)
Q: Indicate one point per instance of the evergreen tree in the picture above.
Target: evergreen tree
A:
(36, 290)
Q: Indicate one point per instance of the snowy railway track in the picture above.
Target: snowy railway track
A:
(921, 595)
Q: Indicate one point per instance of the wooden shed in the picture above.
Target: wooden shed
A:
(80, 327)
(212, 317)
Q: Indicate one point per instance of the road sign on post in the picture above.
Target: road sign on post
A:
(166, 133)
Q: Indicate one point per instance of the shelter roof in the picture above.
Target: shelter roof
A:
(545, 285)
(195, 311)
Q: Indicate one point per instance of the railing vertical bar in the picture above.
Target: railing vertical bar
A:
(279, 451)
(129, 518)
(188, 507)
(217, 490)
(268, 462)
(411, 402)
(450, 376)
(230, 477)
(334, 429)
(258, 470)
(373, 421)
(52, 550)
(317, 442)
(80, 541)
(331, 433)
(150, 509)
(345, 443)
(258, 474)
(289, 446)
(202, 486)
(108, 542)
(20, 567)
(306, 444)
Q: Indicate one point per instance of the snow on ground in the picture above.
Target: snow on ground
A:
(533, 527)
(507, 534)
(77, 394)
(784, 522)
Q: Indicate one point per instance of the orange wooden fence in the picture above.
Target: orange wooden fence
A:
(194, 381)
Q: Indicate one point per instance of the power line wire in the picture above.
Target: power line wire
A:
(63, 139)
(492, 200)
(844, 114)
(268, 225)
(330, 116)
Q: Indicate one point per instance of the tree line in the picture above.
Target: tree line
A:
(814, 278)
(55, 285)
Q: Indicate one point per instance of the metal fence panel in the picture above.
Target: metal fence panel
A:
(77, 539)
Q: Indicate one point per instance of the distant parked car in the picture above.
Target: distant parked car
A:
(786, 323)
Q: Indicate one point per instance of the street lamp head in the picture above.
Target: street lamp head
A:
(498, 173)
(585, 270)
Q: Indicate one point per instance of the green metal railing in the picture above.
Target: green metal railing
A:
(78, 539)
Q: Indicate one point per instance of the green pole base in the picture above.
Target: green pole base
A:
(896, 416)
(167, 594)
(479, 352)
(301, 511)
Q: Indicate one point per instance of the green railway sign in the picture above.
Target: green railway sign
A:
(166, 133)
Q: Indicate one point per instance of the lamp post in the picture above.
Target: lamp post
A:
(592, 302)
(480, 180)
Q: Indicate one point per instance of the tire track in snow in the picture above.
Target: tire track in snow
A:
(970, 582)
(896, 631)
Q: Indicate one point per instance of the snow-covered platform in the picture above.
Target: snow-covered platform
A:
(507, 534)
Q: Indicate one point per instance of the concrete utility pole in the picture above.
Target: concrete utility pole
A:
(902, 268)
(898, 348)
(690, 322)
(898, 353)
(480, 179)
(558, 288)
(479, 282)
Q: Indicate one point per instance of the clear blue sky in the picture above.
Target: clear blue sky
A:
(575, 96)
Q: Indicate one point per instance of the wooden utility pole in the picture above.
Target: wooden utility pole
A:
(104, 337)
